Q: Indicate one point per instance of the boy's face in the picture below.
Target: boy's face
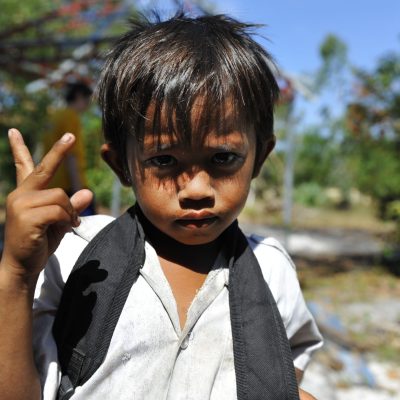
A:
(193, 192)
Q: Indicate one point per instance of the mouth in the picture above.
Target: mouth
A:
(197, 220)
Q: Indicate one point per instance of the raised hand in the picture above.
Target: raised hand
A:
(37, 218)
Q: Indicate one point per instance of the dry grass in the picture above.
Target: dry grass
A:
(357, 284)
(373, 330)
(357, 218)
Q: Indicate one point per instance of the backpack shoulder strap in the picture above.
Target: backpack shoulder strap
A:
(93, 298)
(262, 356)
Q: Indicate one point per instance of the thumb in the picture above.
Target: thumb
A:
(81, 200)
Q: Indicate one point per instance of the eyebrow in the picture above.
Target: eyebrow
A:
(166, 142)
(219, 147)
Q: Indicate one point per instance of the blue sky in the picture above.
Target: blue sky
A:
(296, 28)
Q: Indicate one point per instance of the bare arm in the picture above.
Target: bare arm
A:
(302, 393)
(299, 375)
(18, 376)
(305, 395)
(36, 220)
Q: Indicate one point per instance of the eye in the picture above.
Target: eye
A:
(162, 161)
(225, 158)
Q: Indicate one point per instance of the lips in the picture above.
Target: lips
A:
(201, 219)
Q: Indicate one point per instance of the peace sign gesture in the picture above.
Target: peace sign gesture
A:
(37, 218)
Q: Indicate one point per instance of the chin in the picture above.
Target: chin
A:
(196, 237)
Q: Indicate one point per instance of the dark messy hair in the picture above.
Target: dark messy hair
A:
(169, 64)
(73, 90)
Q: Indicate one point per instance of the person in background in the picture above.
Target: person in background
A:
(71, 176)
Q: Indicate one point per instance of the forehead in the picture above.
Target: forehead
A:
(199, 125)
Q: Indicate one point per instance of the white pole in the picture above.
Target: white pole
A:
(288, 180)
(116, 198)
(289, 174)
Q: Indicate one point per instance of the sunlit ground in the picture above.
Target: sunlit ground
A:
(356, 302)
(360, 291)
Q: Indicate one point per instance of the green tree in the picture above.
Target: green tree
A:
(28, 23)
(333, 53)
(369, 138)
(18, 108)
(373, 126)
(316, 157)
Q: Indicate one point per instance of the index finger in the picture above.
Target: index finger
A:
(21, 155)
(42, 174)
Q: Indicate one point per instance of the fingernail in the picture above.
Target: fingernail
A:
(67, 138)
(12, 133)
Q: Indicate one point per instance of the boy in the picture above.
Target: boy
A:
(187, 116)
(71, 175)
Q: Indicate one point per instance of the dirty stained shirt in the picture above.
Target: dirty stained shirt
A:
(150, 356)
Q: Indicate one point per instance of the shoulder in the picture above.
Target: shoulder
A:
(91, 225)
(271, 248)
(63, 260)
(276, 264)
(75, 241)
(67, 112)
(63, 114)
(65, 119)
(278, 270)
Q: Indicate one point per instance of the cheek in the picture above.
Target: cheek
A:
(160, 185)
(241, 184)
(152, 192)
(233, 191)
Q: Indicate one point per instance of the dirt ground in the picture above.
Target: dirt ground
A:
(354, 298)
(358, 309)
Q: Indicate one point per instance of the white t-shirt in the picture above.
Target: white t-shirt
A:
(150, 356)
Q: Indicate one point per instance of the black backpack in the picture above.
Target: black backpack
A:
(98, 287)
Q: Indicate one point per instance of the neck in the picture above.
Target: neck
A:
(196, 257)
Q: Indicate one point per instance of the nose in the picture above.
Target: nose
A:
(196, 190)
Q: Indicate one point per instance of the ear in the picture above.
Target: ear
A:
(110, 156)
(262, 155)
